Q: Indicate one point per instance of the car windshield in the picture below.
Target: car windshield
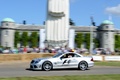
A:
(57, 55)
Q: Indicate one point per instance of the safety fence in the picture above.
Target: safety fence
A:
(106, 58)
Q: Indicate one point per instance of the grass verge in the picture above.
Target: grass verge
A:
(110, 63)
(81, 77)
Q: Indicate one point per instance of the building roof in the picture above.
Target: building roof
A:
(29, 27)
(107, 22)
(8, 20)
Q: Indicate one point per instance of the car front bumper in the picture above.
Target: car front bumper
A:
(35, 66)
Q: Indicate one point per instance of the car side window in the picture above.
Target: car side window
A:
(64, 56)
(70, 55)
(75, 55)
(67, 56)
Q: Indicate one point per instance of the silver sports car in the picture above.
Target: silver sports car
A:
(62, 60)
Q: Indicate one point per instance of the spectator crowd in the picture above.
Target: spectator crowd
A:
(96, 51)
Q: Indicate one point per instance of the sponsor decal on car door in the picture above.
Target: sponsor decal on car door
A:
(62, 62)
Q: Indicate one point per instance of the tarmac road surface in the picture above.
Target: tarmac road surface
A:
(20, 69)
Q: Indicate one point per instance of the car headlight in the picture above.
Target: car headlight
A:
(37, 61)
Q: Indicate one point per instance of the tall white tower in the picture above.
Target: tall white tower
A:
(57, 23)
(7, 32)
(107, 35)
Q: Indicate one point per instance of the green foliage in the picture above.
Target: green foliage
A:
(97, 43)
(79, 39)
(24, 38)
(34, 39)
(117, 41)
(87, 40)
(108, 63)
(16, 38)
(69, 77)
(1, 46)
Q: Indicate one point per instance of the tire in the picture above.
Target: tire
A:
(47, 66)
(83, 65)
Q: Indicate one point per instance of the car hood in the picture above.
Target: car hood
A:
(38, 59)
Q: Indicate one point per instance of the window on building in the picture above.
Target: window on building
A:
(6, 33)
(106, 26)
(106, 35)
(6, 24)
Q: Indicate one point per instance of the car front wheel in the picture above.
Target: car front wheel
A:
(83, 65)
(47, 66)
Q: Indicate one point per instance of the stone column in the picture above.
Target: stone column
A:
(71, 38)
(57, 23)
(42, 38)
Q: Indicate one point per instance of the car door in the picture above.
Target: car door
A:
(67, 60)
(70, 62)
(73, 60)
(62, 61)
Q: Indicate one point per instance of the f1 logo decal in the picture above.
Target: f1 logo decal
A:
(66, 61)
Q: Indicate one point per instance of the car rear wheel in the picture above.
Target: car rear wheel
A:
(47, 66)
(83, 65)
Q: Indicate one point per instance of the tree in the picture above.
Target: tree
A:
(34, 39)
(87, 40)
(16, 38)
(71, 22)
(24, 38)
(79, 39)
(97, 43)
(117, 41)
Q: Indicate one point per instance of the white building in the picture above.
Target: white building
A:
(105, 32)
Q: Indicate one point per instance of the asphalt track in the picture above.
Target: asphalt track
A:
(21, 69)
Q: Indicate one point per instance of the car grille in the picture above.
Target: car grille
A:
(35, 66)
(31, 66)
